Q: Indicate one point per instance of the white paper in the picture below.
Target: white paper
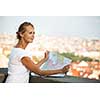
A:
(55, 61)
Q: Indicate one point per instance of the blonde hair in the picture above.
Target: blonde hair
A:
(22, 29)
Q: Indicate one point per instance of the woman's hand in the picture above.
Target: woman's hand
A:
(65, 68)
(46, 55)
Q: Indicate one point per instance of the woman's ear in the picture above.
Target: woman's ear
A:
(21, 34)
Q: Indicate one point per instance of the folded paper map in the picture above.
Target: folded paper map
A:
(55, 61)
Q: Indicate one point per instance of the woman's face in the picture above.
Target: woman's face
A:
(28, 35)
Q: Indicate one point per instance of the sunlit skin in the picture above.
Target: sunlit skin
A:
(26, 38)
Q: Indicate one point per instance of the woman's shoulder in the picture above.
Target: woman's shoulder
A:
(17, 51)
(21, 51)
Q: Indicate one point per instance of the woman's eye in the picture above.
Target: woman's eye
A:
(31, 32)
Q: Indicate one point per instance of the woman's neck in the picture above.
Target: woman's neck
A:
(21, 44)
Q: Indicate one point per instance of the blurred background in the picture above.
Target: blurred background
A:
(75, 37)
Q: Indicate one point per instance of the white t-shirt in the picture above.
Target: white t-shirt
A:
(17, 72)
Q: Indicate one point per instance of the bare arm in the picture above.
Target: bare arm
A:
(35, 68)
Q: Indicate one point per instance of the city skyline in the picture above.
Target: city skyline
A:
(82, 26)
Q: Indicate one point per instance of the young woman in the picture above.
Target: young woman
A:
(20, 61)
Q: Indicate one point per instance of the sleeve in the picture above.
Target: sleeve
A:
(24, 54)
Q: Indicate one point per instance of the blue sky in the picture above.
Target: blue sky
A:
(83, 26)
